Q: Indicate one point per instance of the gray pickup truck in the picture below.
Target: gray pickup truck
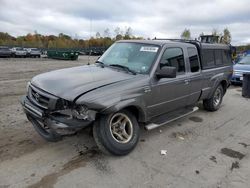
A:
(134, 83)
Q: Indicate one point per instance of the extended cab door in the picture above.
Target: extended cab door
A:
(195, 77)
(168, 94)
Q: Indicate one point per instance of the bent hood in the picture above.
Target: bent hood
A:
(71, 82)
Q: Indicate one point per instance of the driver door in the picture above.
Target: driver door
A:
(168, 94)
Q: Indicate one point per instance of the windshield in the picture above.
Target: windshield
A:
(137, 57)
(245, 60)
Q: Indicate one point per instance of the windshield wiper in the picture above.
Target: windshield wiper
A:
(123, 67)
(100, 63)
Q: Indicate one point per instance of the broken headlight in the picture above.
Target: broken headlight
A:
(82, 112)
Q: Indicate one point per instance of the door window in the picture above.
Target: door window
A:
(193, 59)
(174, 57)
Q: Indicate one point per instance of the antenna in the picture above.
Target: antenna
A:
(89, 41)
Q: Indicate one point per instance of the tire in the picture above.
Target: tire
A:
(213, 103)
(105, 133)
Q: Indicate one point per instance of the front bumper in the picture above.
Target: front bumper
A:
(236, 79)
(56, 124)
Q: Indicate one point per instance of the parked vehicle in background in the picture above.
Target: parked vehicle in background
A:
(63, 54)
(33, 52)
(18, 52)
(237, 59)
(136, 82)
(238, 69)
(5, 51)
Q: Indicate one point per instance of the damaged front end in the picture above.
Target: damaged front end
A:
(53, 117)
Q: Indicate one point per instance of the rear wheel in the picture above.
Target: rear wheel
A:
(213, 103)
(117, 133)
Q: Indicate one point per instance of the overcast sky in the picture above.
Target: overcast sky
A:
(147, 18)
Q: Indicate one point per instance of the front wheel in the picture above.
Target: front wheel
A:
(117, 133)
(215, 101)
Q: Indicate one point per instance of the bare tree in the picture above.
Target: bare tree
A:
(98, 35)
(215, 32)
(128, 33)
(117, 31)
(107, 32)
(226, 38)
(186, 34)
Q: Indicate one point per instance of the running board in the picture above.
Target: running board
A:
(155, 125)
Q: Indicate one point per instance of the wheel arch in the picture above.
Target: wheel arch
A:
(224, 84)
(131, 106)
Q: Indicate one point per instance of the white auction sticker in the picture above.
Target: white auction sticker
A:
(149, 49)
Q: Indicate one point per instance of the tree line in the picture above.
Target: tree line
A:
(65, 41)
(104, 39)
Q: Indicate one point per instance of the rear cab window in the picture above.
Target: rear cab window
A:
(212, 58)
(226, 57)
(208, 58)
(218, 57)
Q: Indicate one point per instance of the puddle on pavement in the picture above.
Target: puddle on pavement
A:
(244, 144)
(235, 165)
(196, 119)
(13, 148)
(181, 135)
(213, 158)
(49, 180)
(232, 153)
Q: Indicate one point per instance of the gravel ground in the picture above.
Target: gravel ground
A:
(203, 150)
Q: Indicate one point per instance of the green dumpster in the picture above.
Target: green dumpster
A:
(64, 55)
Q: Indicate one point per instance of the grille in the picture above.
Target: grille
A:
(40, 98)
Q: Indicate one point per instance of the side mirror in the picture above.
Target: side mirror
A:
(166, 72)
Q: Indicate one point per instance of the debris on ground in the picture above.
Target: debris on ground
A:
(163, 152)
(180, 135)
